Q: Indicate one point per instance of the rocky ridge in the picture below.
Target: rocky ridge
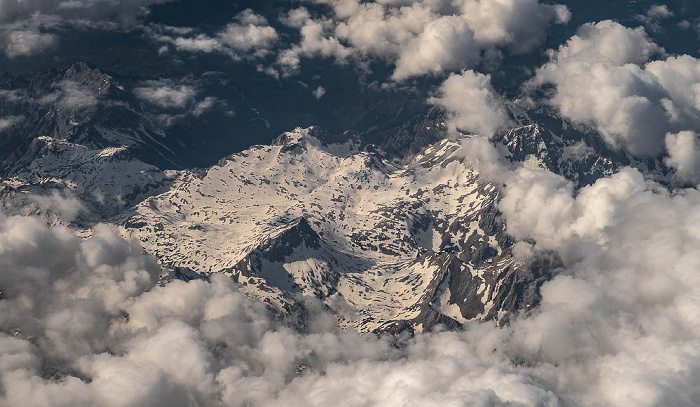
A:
(398, 235)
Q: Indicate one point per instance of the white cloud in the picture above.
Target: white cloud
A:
(83, 324)
(250, 33)
(71, 95)
(314, 42)
(447, 44)
(295, 17)
(26, 37)
(433, 37)
(172, 101)
(684, 155)
(198, 43)
(90, 330)
(604, 79)
(620, 325)
(65, 205)
(653, 15)
(473, 104)
(166, 94)
(659, 11)
(519, 24)
(619, 328)
(609, 42)
(248, 36)
(680, 77)
(205, 105)
(319, 92)
(380, 31)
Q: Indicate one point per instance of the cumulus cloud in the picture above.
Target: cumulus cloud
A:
(251, 32)
(166, 94)
(473, 104)
(83, 323)
(315, 41)
(659, 11)
(64, 205)
(175, 100)
(248, 36)
(519, 25)
(197, 43)
(604, 78)
(295, 18)
(654, 15)
(446, 44)
(620, 324)
(29, 27)
(419, 38)
(319, 92)
(684, 155)
(617, 325)
(680, 77)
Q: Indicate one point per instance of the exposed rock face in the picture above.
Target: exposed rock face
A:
(400, 235)
(80, 105)
(384, 246)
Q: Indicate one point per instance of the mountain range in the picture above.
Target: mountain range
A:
(390, 231)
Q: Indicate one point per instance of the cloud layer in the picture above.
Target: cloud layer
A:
(605, 78)
(619, 326)
(83, 323)
(419, 38)
(83, 326)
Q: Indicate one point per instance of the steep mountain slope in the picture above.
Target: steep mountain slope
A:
(391, 230)
(72, 184)
(388, 241)
(385, 246)
(77, 104)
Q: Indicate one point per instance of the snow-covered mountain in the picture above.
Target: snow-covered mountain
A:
(399, 235)
(78, 104)
(72, 184)
(382, 245)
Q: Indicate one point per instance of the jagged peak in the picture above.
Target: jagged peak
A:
(297, 231)
(304, 140)
(318, 137)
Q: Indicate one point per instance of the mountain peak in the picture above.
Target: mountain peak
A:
(318, 137)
